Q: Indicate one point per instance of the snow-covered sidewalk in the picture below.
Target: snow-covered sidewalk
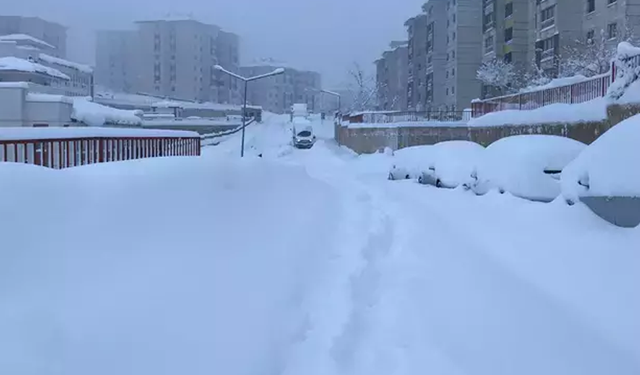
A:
(303, 262)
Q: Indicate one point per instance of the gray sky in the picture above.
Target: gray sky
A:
(323, 35)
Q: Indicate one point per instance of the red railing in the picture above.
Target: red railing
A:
(580, 92)
(61, 153)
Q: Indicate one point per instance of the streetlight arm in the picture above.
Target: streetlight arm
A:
(232, 74)
(274, 73)
(331, 93)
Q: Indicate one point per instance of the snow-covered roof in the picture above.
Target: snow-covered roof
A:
(28, 48)
(15, 63)
(69, 64)
(14, 85)
(48, 98)
(25, 37)
(94, 114)
(270, 62)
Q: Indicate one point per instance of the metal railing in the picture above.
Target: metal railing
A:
(384, 117)
(580, 92)
(59, 153)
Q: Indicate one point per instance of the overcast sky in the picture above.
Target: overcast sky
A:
(323, 35)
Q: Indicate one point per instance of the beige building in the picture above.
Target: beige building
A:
(116, 58)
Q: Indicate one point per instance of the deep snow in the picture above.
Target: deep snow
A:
(303, 262)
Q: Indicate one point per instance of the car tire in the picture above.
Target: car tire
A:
(390, 177)
(438, 183)
(407, 177)
(419, 179)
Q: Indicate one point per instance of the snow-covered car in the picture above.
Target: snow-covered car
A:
(410, 162)
(304, 138)
(451, 163)
(527, 166)
(605, 176)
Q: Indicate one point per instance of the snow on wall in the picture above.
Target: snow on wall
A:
(26, 133)
(94, 114)
(69, 64)
(14, 63)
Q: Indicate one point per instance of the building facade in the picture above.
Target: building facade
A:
(51, 33)
(177, 59)
(436, 48)
(278, 93)
(508, 34)
(392, 77)
(228, 56)
(116, 60)
(416, 62)
(464, 53)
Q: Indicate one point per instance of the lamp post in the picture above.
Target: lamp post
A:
(246, 81)
(334, 94)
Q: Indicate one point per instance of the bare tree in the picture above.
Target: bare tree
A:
(363, 89)
(499, 75)
(588, 58)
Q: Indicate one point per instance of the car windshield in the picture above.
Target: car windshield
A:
(304, 133)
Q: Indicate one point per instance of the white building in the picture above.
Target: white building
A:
(53, 34)
(32, 110)
(25, 51)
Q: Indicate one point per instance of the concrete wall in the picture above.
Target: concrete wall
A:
(47, 113)
(368, 140)
(12, 110)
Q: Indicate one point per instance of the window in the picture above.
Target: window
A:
(508, 57)
(454, 35)
(454, 18)
(590, 36)
(453, 55)
(508, 34)
(508, 10)
(611, 1)
(446, 74)
(547, 17)
(591, 6)
(447, 91)
(612, 30)
(488, 43)
(453, 90)
(488, 21)
(453, 72)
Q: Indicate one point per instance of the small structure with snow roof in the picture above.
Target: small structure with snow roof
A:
(28, 42)
(14, 69)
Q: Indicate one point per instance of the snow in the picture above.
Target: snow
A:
(411, 162)
(626, 49)
(607, 166)
(25, 133)
(517, 165)
(25, 37)
(49, 98)
(14, 85)
(560, 82)
(180, 265)
(454, 161)
(631, 94)
(94, 114)
(403, 124)
(14, 63)
(69, 64)
(593, 110)
(207, 105)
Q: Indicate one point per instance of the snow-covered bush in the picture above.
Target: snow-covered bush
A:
(627, 70)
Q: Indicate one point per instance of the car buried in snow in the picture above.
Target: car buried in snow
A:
(450, 163)
(410, 162)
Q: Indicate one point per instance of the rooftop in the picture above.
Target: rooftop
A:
(14, 63)
(25, 37)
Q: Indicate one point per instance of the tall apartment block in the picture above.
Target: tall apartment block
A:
(391, 77)
(436, 50)
(464, 53)
(558, 24)
(417, 62)
(507, 34)
(228, 56)
(277, 94)
(116, 60)
(176, 59)
(50, 32)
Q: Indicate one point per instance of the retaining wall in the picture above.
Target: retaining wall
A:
(368, 140)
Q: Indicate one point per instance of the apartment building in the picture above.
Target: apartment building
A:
(507, 34)
(228, 56)
(464, 53)
(177, 59)
(277, 94)
(53, 34)
(436, 50)
(116, 60)
(417, 62)
(392, 77)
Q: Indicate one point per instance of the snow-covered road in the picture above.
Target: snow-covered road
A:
(303, 262)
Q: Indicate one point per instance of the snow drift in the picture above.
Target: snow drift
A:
(157, 266)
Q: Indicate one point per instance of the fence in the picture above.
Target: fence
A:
(580, 92)
(59, 153)
(384, 117)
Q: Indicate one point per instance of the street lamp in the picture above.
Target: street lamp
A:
(334, 94)
(246, 81)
